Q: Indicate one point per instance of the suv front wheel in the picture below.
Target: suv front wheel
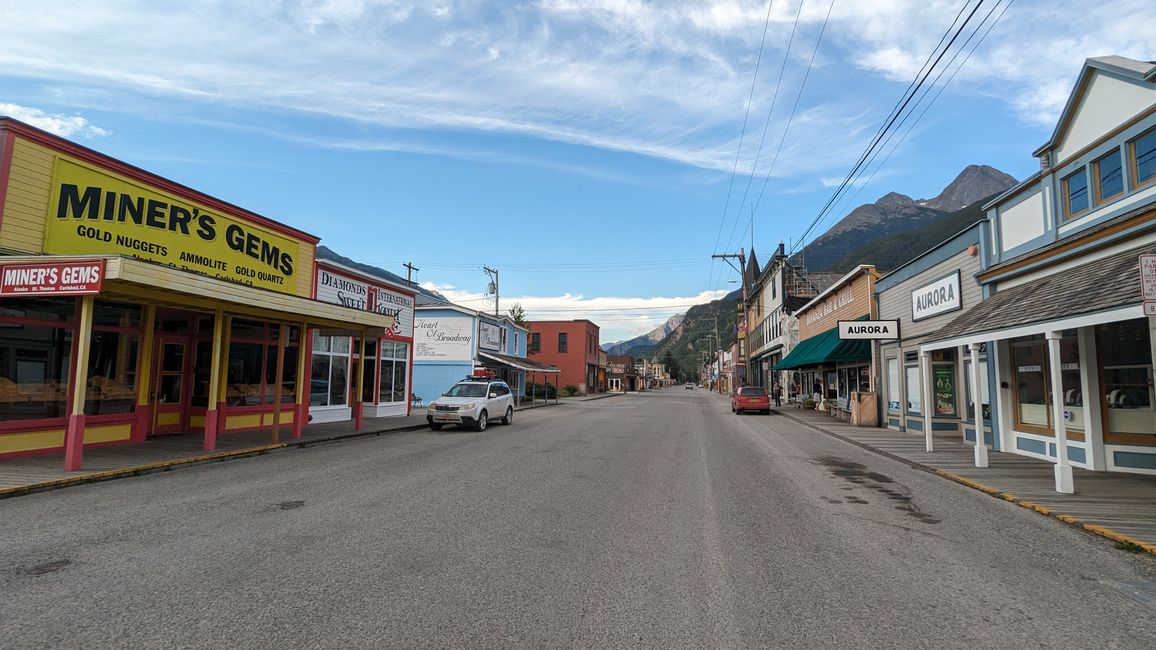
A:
(483, 420)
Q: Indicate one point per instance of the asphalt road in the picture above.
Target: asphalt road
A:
(652, 520)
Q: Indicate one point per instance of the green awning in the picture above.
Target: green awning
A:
(826, 348)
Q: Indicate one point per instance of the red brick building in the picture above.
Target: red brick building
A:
(572, 346)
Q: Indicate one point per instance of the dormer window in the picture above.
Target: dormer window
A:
(1109, 174)
(1142, 158)
(1075, 194)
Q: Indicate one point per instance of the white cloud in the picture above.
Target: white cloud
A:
(619, 318)
(658, 79)
(62, 125)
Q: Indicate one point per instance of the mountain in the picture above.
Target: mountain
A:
(686, 344)
(638, 345)
(324, 253)
(895, 218)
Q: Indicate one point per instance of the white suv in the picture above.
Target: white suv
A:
(472, 402)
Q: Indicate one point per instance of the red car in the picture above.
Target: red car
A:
(751, 398)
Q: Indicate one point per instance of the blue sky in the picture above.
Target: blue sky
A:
(583, 147)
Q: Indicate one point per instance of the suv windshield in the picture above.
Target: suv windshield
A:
(752, 392)
(467, 390)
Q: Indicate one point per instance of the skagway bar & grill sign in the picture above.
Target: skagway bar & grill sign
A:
(93, 211)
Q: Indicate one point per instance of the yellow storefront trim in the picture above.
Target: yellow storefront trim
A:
(286, 418)
(108, 433)
(197, 421)
(13, 442)
(243, 421)
(165, 419)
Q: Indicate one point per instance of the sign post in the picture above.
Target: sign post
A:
(1148, 283)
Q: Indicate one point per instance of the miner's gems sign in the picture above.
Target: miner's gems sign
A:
(936, 298)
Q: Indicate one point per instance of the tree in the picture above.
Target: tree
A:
(517, 314)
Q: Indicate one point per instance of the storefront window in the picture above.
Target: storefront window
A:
(202, 367)
(369, 387)
(1070, 378)
(984, 392)
(893, 385)
(329, 375)
(394, 357)
(60, 310)
(252, 373)
(1029, 362)
(1125, 351)
(34, 363)
(914, 393)
(111, 377)
(246, 361)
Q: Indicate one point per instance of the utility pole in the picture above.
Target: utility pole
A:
(409, 269)
(493, 288)
(742, 269)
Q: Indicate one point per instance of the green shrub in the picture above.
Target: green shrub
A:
(569, 390)
(541, 391)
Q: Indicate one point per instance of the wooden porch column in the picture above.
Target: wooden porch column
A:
(144, 376)
(211, 421)
(926, 396)
(301, 403)
(78, 383)
(980, 445)
(282, 334)
(360, 382)
(223, 360)
(1063, 470)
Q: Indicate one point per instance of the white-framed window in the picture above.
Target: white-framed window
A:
(394, 364)
(329, 372)
(893, 402)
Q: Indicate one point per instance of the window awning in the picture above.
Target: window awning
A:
(518, 363)
(825, 348)
(1104, 290)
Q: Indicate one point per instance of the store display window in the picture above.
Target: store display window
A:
(1125, 353)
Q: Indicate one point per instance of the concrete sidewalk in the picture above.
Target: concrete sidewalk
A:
(1121, 507)
(162, 453)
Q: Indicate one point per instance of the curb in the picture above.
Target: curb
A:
(1094, 529)
(166, 465)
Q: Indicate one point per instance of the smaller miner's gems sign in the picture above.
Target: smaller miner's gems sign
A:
(936, 298)
(873, 330)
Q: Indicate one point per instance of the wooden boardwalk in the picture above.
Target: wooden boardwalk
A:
(180, 448)
(1125, 503)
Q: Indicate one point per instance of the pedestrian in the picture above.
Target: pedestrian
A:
(778, 392)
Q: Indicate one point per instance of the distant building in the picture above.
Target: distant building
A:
(570, 345)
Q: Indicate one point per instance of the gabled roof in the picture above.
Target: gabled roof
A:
(752, 270)
(1140, 71)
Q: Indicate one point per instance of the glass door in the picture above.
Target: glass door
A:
(169, 403)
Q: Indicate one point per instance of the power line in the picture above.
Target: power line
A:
(934, 97)
(794, 108)
(913, 89)
(742, 135)
(766, 127)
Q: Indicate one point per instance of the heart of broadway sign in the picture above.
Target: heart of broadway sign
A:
(443, 338)
(871, 330)
(75, 278)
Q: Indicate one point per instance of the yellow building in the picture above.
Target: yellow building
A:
(132, 306)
